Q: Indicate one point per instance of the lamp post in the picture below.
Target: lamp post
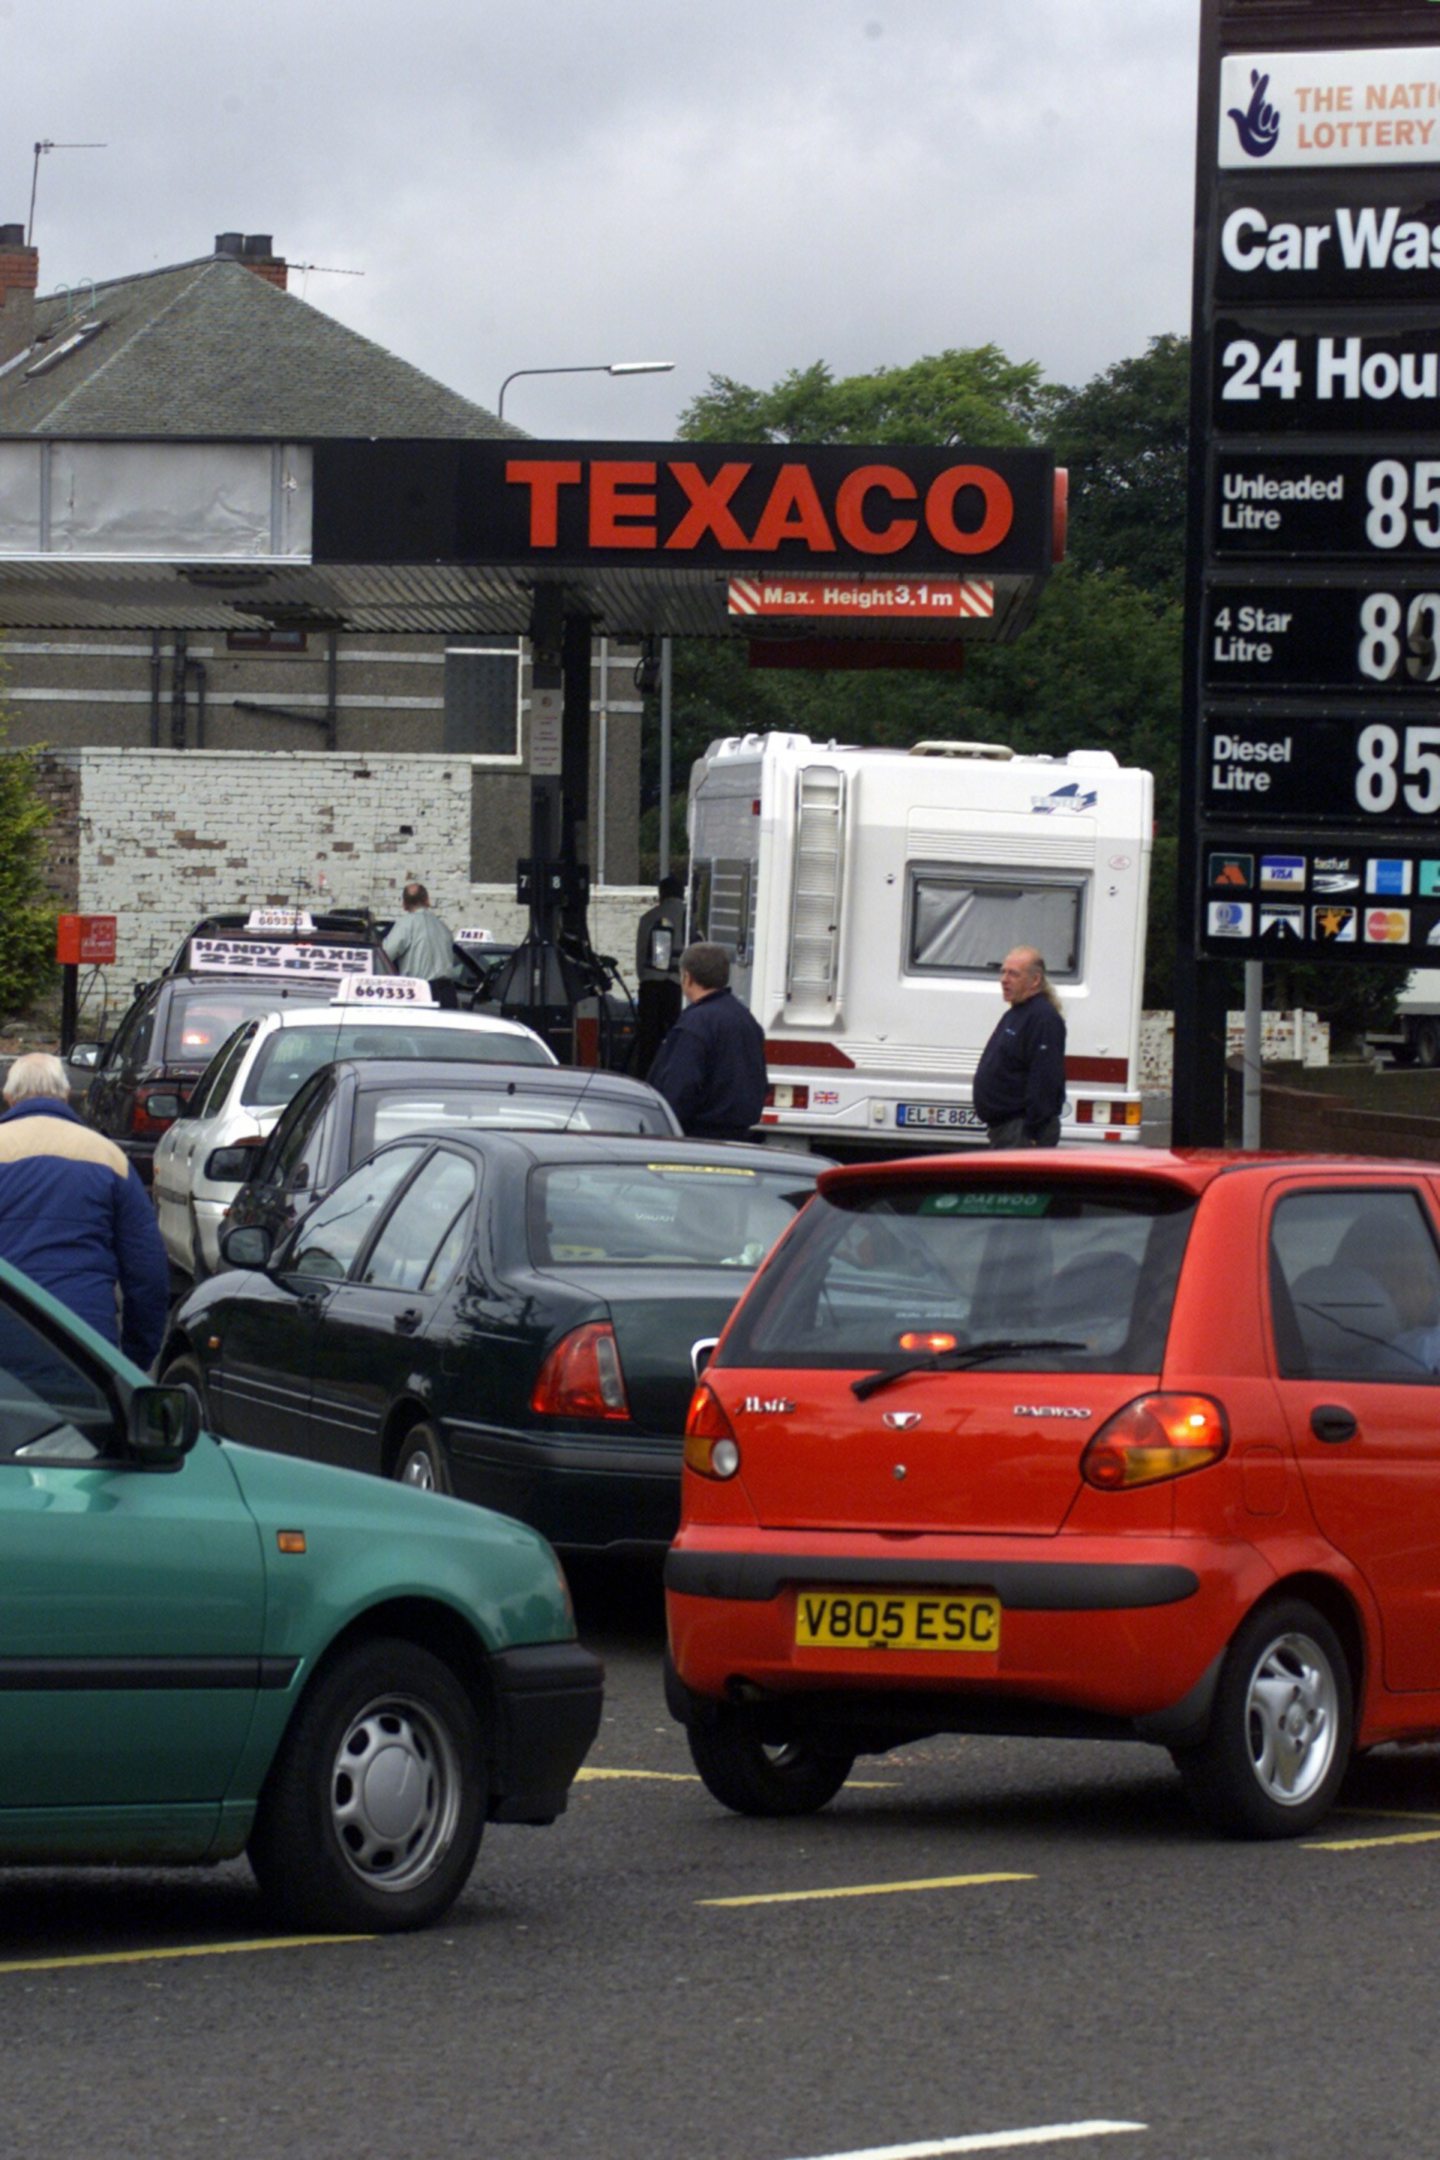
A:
(593, 367)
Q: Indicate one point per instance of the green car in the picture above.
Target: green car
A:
(205, 1650)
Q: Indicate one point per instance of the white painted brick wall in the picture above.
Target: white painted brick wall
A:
(167, 836)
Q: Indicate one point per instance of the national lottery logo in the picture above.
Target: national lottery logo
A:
(1258, 123)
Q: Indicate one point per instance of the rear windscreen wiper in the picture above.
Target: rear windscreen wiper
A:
(957, 1360)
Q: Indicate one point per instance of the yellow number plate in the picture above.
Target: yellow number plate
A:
(889, 1620)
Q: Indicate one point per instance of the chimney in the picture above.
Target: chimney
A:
(256, 252)
(19, 265)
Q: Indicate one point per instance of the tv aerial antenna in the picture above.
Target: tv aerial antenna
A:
(40, 149)
(321, 270)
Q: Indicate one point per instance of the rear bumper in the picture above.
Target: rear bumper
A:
(547, 1704)
(584, 1492)
(1092, 1641)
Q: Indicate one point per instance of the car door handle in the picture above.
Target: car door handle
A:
(407, 1321)
(1329, 1421)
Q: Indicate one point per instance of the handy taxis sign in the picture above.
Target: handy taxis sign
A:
(1297, 109)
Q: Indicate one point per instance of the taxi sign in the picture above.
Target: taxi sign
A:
(255, 956)
(474, 937)
(279, 918)
(384, 990)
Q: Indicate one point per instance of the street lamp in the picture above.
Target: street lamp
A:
(594, 367)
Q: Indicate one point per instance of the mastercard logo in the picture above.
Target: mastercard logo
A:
(1387, 926)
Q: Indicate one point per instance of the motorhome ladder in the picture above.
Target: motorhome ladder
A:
(815, 897)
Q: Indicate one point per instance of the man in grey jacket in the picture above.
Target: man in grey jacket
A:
(421, 944)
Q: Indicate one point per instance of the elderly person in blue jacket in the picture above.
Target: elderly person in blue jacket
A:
(710, 1067)
(74, 1215)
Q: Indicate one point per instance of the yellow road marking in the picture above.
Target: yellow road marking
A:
(1390, 1814)
(688, 1777)
(1364, 1844)
(667, 1777)
(196, 1950)
(883, 1889)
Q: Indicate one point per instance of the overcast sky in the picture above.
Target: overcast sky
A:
(741, 188)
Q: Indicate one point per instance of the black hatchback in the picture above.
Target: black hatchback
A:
(509, 1317)
(144, 1075)
(348, 1109)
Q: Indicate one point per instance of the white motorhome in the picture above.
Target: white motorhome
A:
(1415, 1037)
(867, 897)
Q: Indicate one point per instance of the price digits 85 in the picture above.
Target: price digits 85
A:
(1395, 765)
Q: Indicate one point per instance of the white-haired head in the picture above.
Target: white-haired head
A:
(37, 1073)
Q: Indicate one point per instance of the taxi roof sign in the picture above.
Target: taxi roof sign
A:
(384, 990)
(291, 960)
(280, 918)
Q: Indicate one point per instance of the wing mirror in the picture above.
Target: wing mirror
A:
(85, 1056)
(163, 1425)
(701, 1353)
(247, 1245)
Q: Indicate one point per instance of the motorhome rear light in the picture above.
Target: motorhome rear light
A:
(581, 1378)
(934, 1343)
(783, 1096)
(711, 1449)
(1155, 1438)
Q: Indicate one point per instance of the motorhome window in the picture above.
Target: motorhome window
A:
(724, 905)
(964, 924)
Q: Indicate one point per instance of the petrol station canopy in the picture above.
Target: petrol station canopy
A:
(925, 547)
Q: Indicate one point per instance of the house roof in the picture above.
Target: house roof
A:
(209, 349)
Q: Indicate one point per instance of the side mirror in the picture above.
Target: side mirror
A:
(85, 1055)
(701, 1353)
(232, 1165)
(164, 1106)
(163, 1425)
(247, 1245)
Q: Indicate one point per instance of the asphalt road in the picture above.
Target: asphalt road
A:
(983, 1940)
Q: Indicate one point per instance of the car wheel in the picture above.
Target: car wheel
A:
(371, 1816)
(185, 1371)
(1280, 1731)
(757, 1778)
(423, 1461)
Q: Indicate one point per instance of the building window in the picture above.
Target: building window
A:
(482, 700)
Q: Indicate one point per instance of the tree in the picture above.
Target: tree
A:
(972, 396)
(1125, 438)
(27, 911)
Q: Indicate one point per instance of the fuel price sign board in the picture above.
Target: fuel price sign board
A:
(1312, 724)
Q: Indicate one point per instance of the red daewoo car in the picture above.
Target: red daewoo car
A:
(1070, 1443)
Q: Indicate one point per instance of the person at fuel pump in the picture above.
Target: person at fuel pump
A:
(1020, 1079)
(711, 1066)
(420, 943)
(74, 1214)
(657, 971)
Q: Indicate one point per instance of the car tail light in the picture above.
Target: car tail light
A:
(1154, 1438)
(156, 1108)
(711, 1449)
(581, 1378)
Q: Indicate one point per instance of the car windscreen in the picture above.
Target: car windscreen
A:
(199, 1020)
(659, 1213)
(387, 1116)
(885, 1274)
(290, 1055)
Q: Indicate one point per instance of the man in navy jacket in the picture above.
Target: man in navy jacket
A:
(1020, 1081)
(710, 1067)
(74, 1215)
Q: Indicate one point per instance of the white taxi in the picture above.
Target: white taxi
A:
(204, 1158)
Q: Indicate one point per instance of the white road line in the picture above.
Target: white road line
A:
(995, 2141)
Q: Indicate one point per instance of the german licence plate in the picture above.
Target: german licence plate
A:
(954, 1115)
(896, 1620)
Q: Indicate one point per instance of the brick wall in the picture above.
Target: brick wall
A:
(163, 837)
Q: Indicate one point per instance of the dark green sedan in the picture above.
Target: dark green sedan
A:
(206, 1650)
(509, 1317)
